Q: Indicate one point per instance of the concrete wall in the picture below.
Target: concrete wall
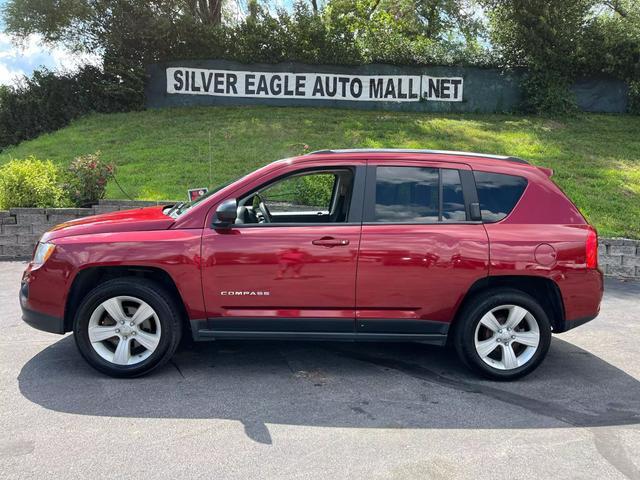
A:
(21, 228)
(485, 90)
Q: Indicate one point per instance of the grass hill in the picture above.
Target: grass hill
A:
(161, 153)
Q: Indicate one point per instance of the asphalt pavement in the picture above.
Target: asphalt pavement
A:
(241, 409)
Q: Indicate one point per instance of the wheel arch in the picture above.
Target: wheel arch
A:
(544, 290)
(88, 278)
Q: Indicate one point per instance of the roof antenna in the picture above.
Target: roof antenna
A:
(210, 160)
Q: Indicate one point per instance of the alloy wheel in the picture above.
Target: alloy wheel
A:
(124, 330)
(507, 337)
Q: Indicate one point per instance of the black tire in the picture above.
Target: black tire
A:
(157, 298)
(472, 313)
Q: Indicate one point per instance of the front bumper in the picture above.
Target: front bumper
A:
(38, 320)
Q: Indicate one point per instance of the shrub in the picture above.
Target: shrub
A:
(48, 101)
(87, 178)
(315, 190)
(547, 93)
(30, 183)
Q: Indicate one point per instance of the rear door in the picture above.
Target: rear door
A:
(419, 250)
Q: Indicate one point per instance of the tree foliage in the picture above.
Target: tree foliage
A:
(47, 101)
(558, 41)
(553, 41)
(137, 32)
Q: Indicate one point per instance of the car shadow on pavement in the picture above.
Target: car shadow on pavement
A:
(367, 385)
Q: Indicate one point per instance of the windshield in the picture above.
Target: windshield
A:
(179, 208)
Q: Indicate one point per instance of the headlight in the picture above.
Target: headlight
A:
(43, 252)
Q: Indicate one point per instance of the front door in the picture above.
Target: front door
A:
(288, 264)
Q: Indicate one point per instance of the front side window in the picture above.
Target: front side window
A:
(498, 194)
(406, 195)
(319, 196)
(302, 193)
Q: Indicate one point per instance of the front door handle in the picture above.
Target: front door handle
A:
(330, 242)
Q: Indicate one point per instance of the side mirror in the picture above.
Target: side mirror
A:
(474, 212)
(226, 214)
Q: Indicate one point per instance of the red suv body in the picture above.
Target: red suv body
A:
(341, 245)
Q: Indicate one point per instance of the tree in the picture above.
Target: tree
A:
(412, 31)
(437, 19)
(148, 27)
(557, 41)
(207, 11)
(545, 37)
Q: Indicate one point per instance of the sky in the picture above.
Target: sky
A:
(17, 61)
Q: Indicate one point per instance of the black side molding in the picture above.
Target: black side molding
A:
(330, 329)
(204, 335)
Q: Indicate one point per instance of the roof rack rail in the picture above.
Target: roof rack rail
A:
(409, 150)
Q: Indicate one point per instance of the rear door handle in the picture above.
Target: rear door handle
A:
(330, 242)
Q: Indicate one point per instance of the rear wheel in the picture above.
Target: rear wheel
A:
(504, 334)
(127, 327)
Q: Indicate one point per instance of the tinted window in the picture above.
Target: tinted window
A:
(452, 199)
(406, 195)
(498, 194)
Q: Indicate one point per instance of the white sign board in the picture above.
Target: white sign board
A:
(313, 86)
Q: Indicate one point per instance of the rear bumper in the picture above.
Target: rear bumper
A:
(41, 321)
(581, 293)
(569, 324)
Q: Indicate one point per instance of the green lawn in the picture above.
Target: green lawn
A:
(161, 153)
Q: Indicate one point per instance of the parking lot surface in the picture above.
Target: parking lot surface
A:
(322, 410)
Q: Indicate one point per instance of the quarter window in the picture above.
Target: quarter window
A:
(453, 209)
(498, 194)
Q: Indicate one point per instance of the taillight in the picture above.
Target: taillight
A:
(592, 248)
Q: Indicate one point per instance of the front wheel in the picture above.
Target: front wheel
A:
(127, 327)
(504, 334)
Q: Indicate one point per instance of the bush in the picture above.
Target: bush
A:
(87, 179)
(48, 101)
(315, 190)
(30, 183)
(547, 93)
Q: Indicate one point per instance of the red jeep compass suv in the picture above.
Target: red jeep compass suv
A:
(385, 245)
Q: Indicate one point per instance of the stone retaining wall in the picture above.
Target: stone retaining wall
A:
(619, 257)
(20, 229)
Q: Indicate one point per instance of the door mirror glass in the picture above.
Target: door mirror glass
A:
(226, 214)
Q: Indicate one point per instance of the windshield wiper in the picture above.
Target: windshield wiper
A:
(176, 207)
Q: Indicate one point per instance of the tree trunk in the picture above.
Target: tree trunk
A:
(208, 11)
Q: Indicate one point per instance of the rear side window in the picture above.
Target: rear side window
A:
(418, 195)
(498, 194)
(406, 195)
